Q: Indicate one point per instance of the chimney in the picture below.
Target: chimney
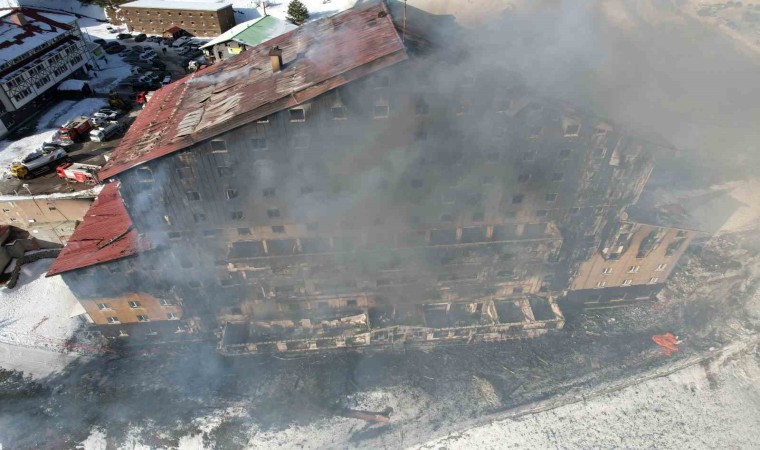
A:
(18, 18)
(275, 55)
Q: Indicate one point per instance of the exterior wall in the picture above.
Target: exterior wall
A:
(67, 53)
(119, 308)
(634, 265)
(197, 23)
(48, 219)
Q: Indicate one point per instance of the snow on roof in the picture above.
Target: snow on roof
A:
(106, 234)
(318, 57)
(41, 27)
(188, 5)
(253, 32)
(72, 85)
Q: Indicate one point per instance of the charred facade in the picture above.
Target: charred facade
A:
(417, 201)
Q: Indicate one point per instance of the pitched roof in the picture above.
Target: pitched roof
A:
(26, 40)
(318, 57)
(105, 234)
(186, 5)
(253, 32)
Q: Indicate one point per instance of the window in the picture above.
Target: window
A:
(557, 176)
(380, 111)
(634, 269)
(574, 211)
(551, 197)
(572, 130)
(273, 213)
(229, 194)
(244, 231)
(263, 120)
(237, 215)
(193, 196)
(199, 218)
(258, 144)
(278, 229)
(142, 318)
(224, 171)
(102, 306)
(517, 199)
(447, 218)
(541, 213)
(478, 216)
(565, 154)
(351, 302)
(607, 270)
(134, 304)
(166, 302)
(422, 107)
(653, 280)
(268, 192)
(627, 282)
(420, 135)
(338, 112)
(171, 316)
(113, 319)
(297, 115)
(523, 178)
(660, 267)
(305, 190)
(174, 234)
(218, 145)
(210, 233)
(144, 175)
(184, 173)
(600, 284)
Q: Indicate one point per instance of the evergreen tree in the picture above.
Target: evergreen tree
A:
(297, 12)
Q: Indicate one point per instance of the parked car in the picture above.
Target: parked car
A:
(106, 114)
(180, 42)
(148, 55)
(159, 65)
(100, 42)
(111, 29)
(124, 52)
(157, 39)
(115, 49)
(122, 36)
(167, 80)
(105, 132)
(139, 48)
(140, 37)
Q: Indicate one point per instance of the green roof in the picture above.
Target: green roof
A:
(253, 32)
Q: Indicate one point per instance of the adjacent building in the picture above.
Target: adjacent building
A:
(333, 189)
(198, 18)
(38, 50)
(245, 35)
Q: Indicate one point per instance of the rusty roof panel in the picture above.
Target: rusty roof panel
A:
(105, 234)
(317, 57)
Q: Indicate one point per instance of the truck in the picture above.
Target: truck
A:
(76, 172)
(38, 162)
(75, 130)
(106, 132)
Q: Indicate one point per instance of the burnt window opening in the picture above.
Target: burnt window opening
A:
(565, 154)
(352, 303)
(422, 108)
(258, 144)
(278, 229)
(599, 153)
(263, 120)
(478, 216)
(381, 111)
(297, 115)
(551, 197)
(236, 215)
(210, 233)
(185, 173)
(339, 113)
(144, 175)
(517, 199)
(224, 171)
(523, 178)
(174, 235)
(229, 194)
(517, 290)
(218, 145)
(572, 130)
(273, 213)
(542, 213)
(447, 218)
(244, 231)
(558, 176)
(268, 192)
(199, 218)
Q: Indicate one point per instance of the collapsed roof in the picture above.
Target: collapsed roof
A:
(318, 57)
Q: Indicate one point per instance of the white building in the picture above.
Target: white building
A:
(38, 49)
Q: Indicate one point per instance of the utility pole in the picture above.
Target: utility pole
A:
(403, 28)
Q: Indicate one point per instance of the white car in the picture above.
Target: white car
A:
(148, 55)
(111, 29)
(167, 80)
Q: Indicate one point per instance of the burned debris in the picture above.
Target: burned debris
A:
(331, 189)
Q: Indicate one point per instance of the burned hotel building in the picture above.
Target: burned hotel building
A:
(336, 188)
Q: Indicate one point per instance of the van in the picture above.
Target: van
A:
(106, 132)
(180, 42)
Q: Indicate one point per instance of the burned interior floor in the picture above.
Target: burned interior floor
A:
(709, 304)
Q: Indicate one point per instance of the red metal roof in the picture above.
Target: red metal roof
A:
(105, 234)
(318, 57)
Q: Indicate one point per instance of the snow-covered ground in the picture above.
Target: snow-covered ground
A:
(37, 311)
(317, 8)
(47, 124)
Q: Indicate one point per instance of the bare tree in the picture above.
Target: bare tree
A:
(263, 4)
